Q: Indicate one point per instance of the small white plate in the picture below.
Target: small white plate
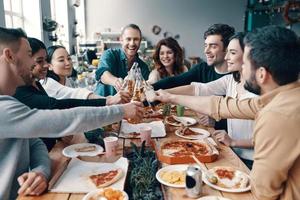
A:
(186, 121)
(94, 192)
(171, 168)
(233, 190)
(69, 151)
(202, 134)
(212, 198)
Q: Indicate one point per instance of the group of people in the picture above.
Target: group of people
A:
(254, 80)
(251, 79)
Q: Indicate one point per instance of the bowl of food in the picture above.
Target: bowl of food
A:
(106, 194)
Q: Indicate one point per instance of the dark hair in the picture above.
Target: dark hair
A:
(277, 49)
(11, 37)
(36, 45)
(178, 55)
(133, 26)
(240, 37)
(50, 52)
(224, 30)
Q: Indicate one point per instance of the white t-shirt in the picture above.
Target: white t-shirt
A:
(59, 91)
(154, 75)
(237, 128)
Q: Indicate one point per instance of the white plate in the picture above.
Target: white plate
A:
(69, 151)
(233, 190)
(202, 134)
(92, 193)
(212, 198)
(187, 121)
(171, 168)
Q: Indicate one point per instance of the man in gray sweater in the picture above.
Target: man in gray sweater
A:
(24, 161)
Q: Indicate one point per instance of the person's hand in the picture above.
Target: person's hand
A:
(32, 183)
(133, 110)
(205, 120)
(223, 137)
(163, 96)
(67, 139)
(120, 97)
(118, 84)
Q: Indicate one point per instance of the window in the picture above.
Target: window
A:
(14, 13)
(23, 14)
(59, 13)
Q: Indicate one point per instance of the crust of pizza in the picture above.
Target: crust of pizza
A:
(99, 181)
(87, 148)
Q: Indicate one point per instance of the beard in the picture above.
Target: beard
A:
(27, 78)
(252, 86)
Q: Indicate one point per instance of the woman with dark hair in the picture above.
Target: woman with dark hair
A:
(239, 135)
(59, 86)
(168, 59)
(35, 96)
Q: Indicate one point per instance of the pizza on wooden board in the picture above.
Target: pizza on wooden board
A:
(181, 148)
(107, 178)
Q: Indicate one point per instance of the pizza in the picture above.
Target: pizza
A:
(150, 113)
(172, 121)
(230, 178)
(87, 148)
(180, 148)
(106, 178)
(185, 131)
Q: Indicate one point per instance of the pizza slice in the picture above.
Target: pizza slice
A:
(87, 148)
(172, 121)
(185, 131)
(107, 178)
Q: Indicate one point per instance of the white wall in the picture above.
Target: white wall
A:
(189, 18)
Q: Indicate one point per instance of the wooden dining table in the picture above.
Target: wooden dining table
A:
(226, 158)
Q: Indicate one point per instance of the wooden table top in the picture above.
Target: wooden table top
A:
(226, 158)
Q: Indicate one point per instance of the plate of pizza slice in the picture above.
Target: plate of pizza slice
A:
(107, 194)
(229, 180)
(192, 133)
(82, 149)
(179, 121)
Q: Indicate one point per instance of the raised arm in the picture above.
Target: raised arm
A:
(215, 106)
(57, 123)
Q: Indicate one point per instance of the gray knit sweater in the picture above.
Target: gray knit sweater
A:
(18, 122)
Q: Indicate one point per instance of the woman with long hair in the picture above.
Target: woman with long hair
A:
(168, 60)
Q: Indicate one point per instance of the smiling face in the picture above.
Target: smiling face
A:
(234, 56)
(41, 64)
(61, 63)
(166, 56)
(131, 40)
(214, 50)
